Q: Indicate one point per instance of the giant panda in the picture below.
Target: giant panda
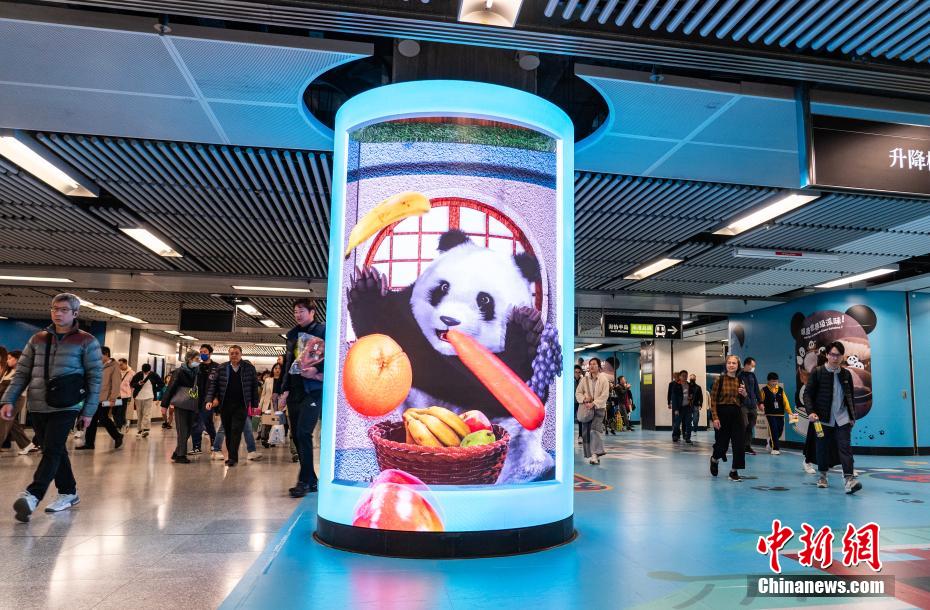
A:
(481, 292)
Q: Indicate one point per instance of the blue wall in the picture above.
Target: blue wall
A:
(15, 333)
(628, 367)
(767, 336)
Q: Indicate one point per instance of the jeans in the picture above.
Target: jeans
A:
(696, 419)
(234, 424)
(681, 423)
(221, 436)
(102, 416)
(52, 432)
(841, 437)
(303, 413)
(203, 421)
(184, 421)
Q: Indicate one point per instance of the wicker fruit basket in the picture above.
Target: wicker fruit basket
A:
(476, 465)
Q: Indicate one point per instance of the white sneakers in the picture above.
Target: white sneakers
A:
(254, 456)
(776, 452)
(63, 502)
(31, 448)
(216, 455)
(809, 468)
(852, 485)
(24, 506)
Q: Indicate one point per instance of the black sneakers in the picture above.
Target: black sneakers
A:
(714, 468)
(734, 476)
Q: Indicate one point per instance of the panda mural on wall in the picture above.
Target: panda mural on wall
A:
(494, 308)
(814, 332)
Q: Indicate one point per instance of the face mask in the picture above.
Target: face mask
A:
(194, 364)
(204, 357)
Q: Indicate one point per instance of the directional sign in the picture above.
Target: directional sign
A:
(642, 327)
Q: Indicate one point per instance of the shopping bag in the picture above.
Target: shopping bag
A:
(277, 436)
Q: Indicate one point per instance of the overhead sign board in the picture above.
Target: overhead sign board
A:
(641, 327)
(868, 155)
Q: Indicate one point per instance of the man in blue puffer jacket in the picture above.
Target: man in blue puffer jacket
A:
(72, 352)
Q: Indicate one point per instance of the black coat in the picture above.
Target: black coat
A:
(695, 395)
(676, 395)
(249, 377)
(317, 330)
(818, 393)
(183, 377)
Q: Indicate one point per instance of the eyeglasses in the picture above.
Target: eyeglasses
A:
(61, 309)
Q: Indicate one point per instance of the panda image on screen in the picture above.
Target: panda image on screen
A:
(478, 291)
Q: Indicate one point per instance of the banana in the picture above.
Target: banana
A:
(393, 209)
(420, 433)
(444, 433)
(450, 419)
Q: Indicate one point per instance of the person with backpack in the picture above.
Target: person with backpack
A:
(146, 384)
(62, 368)
(776, 406)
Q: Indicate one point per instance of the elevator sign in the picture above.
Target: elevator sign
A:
(640, 327)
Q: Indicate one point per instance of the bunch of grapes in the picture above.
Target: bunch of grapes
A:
(547, 365)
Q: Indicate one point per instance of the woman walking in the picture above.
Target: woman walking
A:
(725, 400)
(13, 427)
(592, 393)
(182, 398)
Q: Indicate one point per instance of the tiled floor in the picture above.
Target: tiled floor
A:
(663, 534)
(147, 534)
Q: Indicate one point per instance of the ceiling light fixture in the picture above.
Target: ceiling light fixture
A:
(249, 309)
(782, 205)
(30, 155)
(281, 345)
(174, 332)
(30, 278)
(111, 312)
(653, 268)
(784, 254)
(858, 277)
(150, 241)
(273, 289)
(270, 323)
(591, 346)
(502, 13)
(189, 338)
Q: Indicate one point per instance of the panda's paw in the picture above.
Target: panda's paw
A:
(529, 325)
(364, 283)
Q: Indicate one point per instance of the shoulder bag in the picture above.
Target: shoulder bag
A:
(62, 391)
(586, 411)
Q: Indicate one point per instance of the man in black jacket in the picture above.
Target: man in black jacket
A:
(233, 390)
(696, 398)
(302, 394)
(679, 402)
(204, 419)
(828, 396)
(752, 400)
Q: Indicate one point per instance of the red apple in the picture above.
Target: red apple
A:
(392, 506)
(400, 477)
(476, 420)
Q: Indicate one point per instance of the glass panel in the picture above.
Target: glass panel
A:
(408, 225)
(404, 274)
(406, 247)
(437, 219)
(430, 246)
(384, 250)
(496, 227)
(472, 221)
(501, 245)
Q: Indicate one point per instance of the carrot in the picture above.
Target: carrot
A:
(512, 392)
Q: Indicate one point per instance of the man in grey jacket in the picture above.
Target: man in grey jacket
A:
(71, 352)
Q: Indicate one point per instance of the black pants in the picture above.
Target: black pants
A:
(184, 422)
(233, 424)
(841, 438)
(776, 426)
(52, 431)
(303, 414)
(119, 413)
(731, 432)
(750, 420)
(681, 423)
(101, 417)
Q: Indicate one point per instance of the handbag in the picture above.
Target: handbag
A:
(586, 411)
(189, 399)
(63, 391)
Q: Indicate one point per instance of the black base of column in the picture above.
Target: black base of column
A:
(444, 545)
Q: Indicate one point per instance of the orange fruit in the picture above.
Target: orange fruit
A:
(376, 376)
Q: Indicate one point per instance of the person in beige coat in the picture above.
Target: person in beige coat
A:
(109, 398)
(593, 390)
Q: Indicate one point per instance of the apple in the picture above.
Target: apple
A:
(392, 475)
(393, 506)
(476, 420)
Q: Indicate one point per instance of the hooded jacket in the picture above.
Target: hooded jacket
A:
(77, 352)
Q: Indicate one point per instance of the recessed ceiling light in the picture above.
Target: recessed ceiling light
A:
(39, 161)
(270, 323)
(783, 205)
(30, 278)
(273, 289)
(653, 268)
(502, 13)
(249, 309)
(858, 277)
(150, 241)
